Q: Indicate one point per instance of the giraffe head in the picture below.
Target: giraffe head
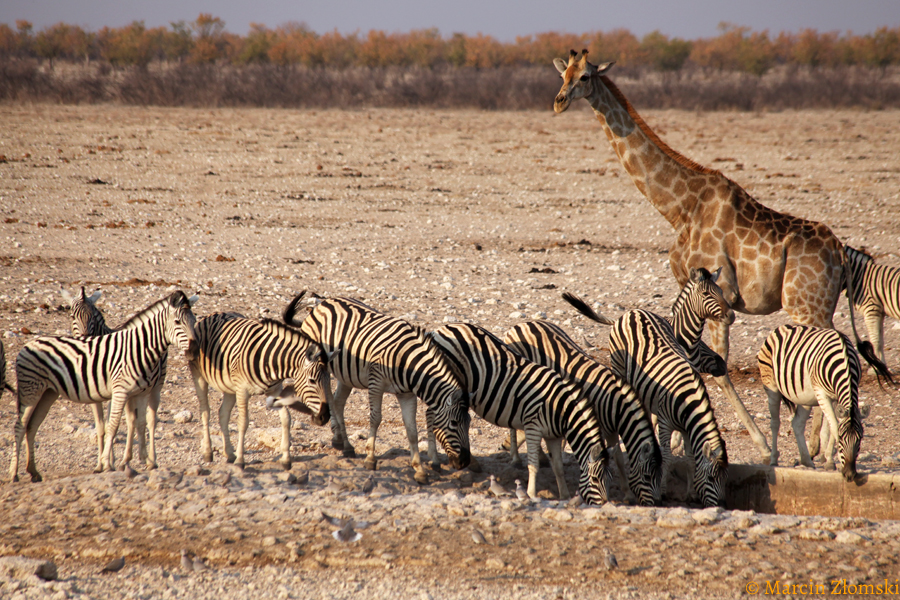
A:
(578, 78)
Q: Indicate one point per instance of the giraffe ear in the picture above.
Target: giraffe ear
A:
(601, 69)
(715, 276)
(560, 65)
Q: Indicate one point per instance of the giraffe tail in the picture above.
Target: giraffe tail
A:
(582, 307)
(865, 348)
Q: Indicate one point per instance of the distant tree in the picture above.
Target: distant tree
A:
(337, 50)
(424, 47)
(619, 45)
(882, 48)
(24, 39)
(295, 43)
(178, 43)
(129, 46)
(542, 48)
(664, 54)
(379, 49)
(257, 44)
(736, 49)
(483, 51)
(209, 41)
(456, 50)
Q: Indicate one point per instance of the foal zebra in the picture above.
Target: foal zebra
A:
(646, 351)
(117, 366)
(87, 320)
(617, 406)
(241, 357)
(806, 367)
(509, 391)
(373, 351)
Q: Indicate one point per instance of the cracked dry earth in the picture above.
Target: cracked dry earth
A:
(434, 217)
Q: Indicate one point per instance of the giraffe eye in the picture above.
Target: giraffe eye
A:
(585, 77)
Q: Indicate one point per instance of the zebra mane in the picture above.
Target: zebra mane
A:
(861, 250)
(281, 327)
(176, 298)
(702, 275)
(291, 309)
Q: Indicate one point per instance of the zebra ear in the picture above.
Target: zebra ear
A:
(715, 276)
(66, 295)
(94, 297)
(645, 452)
(193, 299)
(598, 453)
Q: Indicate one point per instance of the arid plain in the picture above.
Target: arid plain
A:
(433, 216)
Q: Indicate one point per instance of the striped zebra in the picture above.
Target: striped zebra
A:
(617, 406)
(241, 357)
(646, 351)
(373, 351)
(87, 370)
(510, 391)
(876, 293)
(805, 367)
(87, 320)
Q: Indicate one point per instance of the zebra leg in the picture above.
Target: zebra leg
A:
(798, 423)
(39, 412)
(100, 430)
(228, 402)
(514, 459)
(408, 410)
(774, 421)
(533, 445)
(432, 442)
(201, 387)
(555, 449)
(285, 415)
(116, 405)
(337, 404)
(131, 416)
(612, 442)
(719, 336)
(828, 409)
(874, 320)
(152, 408)
(664, 431)
(243, 406)
(815, 442)
(376, 395)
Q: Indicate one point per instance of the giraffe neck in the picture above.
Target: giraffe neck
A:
(658, 172)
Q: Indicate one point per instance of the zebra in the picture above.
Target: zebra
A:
(241, 357)
(373, 351)
(510, 391)
(87, 320)
(646, 351)
(96, 369)
(876, 293)
(804, 367)
(618, 408)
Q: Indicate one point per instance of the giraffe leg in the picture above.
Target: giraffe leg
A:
(775, 418)
(719, 334)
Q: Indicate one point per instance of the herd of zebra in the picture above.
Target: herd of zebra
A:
(535, 379)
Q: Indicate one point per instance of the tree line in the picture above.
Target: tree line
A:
(205, 41)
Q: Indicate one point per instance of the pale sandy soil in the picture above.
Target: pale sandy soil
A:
(432, 216)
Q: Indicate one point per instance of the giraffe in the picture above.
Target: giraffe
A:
(769, 260)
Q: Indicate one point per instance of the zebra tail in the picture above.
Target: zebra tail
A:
(582, 307)
(864, 348)
(291, 309)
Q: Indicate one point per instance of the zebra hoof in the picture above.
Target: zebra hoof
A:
(474, 465)
(152, 466)
(421, 478)
(230, 459)
(337, 443)
(98, 469)
(208, 456)
(285, 464)
(370, 464)
(436, 466)
(15, 479)
(350, 453)
(36, 478)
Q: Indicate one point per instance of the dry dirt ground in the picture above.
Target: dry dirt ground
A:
(434, 217)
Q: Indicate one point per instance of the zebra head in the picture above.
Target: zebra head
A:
(86, 317)
(850, 433)
(711, 473)
(705, 297)
(180, 321)
(451, 429)
(309, 392)
(645, 474)
(592, 483)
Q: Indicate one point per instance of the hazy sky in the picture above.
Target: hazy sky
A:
(503, 19)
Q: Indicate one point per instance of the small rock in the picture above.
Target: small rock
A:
(21, 567)
(850, 537)
(184, 416)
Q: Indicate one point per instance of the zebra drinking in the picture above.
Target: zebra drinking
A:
(373, 351)
(618, 408)
(646, 351)
(509, 391)
(806, 367)
(110, 367)
(241, 357)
